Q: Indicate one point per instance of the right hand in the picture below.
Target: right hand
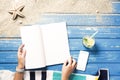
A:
(68, 68)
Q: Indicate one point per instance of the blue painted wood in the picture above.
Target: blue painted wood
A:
(8, 66)
(80, 31)
(9, 44)
(92, 68)
(82, 19)
(95, 56)
(114, 77)
(75, 44)
(116, 7)
(8, 57)
(100, 56)
(101, 44)
(103, 32)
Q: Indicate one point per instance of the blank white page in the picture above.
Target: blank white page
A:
(31, 37)
(55, 41)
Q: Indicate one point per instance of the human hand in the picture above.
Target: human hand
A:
(21, 57)
(68, 68)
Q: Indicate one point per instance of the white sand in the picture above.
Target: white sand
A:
(34, 8)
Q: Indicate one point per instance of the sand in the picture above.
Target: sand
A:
(35, 8)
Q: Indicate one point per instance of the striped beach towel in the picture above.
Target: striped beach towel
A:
(55, 75)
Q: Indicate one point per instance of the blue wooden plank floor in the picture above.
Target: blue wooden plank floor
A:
(105, 54)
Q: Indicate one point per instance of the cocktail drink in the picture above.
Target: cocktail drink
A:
(88, 41)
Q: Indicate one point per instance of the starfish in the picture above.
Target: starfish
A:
(17, 12)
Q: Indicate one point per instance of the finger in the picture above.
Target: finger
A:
(74, 63)
(21, 48)
(70, 61)
(65, 63)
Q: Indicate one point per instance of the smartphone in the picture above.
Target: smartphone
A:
(103, 74)
(82, 60)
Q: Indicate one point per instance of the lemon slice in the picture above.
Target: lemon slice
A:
(88, 42)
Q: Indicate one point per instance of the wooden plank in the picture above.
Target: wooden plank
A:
(100, 56)
(10, 67)
(75, 44)
(8, 57)
(95, 56)
(101, 44)
(114, 77)
(116, 7)
(10, 44)
(82, 19)
(80, 31)
(92, 68)
(103, 31)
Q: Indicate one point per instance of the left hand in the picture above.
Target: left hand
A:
(21, 57)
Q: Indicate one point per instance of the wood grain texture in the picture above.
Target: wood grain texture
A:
(95, 56)
(83, 19)
(74, 44)
(116, 7)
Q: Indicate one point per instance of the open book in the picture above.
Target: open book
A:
(45, 44)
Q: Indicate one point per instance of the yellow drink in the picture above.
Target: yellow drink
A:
(88, 41)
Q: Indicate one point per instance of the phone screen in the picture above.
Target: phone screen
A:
(104, 75)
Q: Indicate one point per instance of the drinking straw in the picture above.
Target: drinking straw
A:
(93, 34)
